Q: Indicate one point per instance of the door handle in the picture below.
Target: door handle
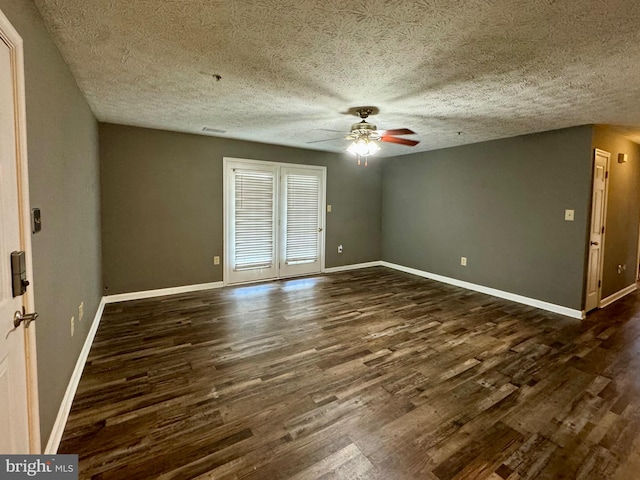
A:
(595, 243)
(20, 317)
(320, 229)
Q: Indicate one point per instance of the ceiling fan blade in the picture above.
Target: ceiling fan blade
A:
(397, 131)
(401, 141)
(326, 140)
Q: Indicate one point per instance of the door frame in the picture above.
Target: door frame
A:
(225, 205)
(13, 39)
(604, 153)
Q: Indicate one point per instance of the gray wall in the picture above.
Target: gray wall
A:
(62, 137)
(623, 211)
(162, 219)
(501, 204)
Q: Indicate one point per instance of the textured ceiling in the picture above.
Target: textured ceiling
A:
(292, 69)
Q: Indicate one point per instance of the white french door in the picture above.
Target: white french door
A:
(252, 246)
(274, 220)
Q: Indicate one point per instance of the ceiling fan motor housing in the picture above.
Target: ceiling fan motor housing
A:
(364, 129)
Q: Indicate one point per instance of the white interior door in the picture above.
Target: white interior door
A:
(274, 225)
(596, 235)
(301, 213)
(14, 413)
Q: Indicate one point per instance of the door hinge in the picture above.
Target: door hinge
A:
(606, 174)
(602, 229)
(599, 283)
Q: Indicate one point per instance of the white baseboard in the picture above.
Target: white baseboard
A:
(124, 297)
(65, 407)
(354, 266)
(532, 302)
(617, 296)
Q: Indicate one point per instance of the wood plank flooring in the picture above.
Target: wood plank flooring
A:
(368, 374)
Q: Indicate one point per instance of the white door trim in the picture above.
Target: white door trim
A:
(12, 38)
(226, 200)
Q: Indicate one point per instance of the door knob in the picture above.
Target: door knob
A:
(20, 317)
(595, 243)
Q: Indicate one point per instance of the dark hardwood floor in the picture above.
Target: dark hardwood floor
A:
(368, 374)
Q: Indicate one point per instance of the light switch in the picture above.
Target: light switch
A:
(328, 208)
(568, 215)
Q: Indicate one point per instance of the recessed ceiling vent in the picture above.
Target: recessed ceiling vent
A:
(213, 130)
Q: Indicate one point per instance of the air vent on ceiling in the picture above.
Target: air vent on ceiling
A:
(213, 130)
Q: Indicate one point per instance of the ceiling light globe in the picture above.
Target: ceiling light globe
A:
(362, 147)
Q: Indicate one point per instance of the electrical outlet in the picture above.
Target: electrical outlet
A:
(81, 311)
(73, 326)
(463, 261)
(216, 260)
(339, 248)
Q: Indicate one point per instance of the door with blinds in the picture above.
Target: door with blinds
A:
(252, 223)
(274, 220)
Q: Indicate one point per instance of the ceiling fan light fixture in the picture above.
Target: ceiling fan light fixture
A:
(365, 136)
(363, 147)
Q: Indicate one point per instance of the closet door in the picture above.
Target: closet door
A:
(251, 223)
(301, 221)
